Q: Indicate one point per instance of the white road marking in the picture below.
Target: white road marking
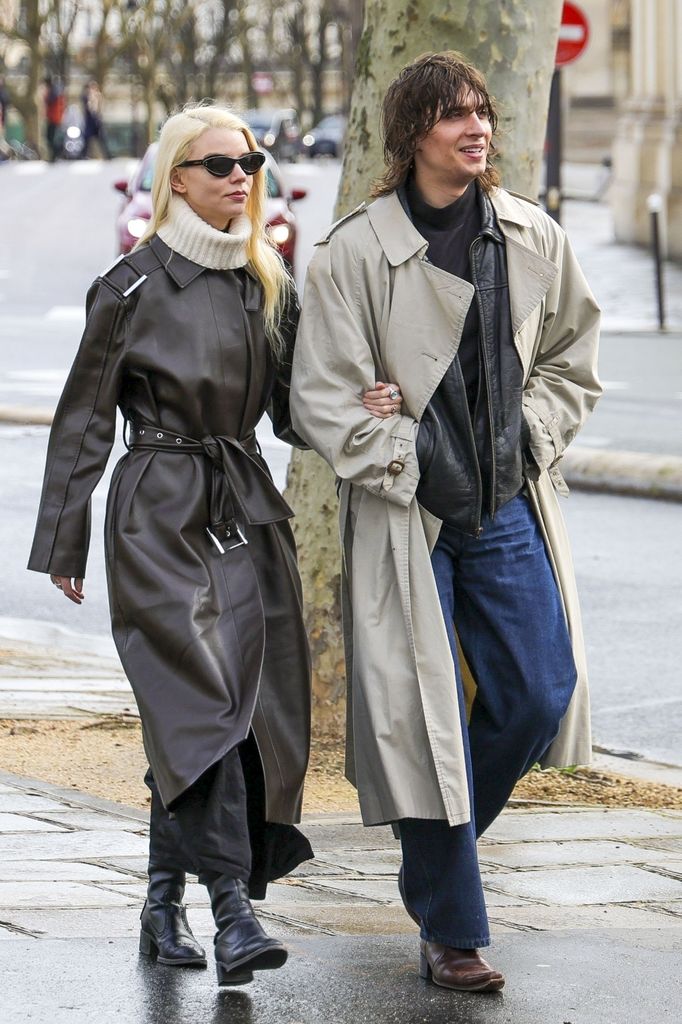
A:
(30, 167)
(31, 387)
(65, 313)
(86, 167)
(36, 374)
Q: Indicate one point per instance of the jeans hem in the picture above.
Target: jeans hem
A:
(458, 943)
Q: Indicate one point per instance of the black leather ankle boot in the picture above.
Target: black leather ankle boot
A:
(164, 931)
(241, 945)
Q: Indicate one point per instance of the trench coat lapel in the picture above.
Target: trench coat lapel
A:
(530, 274)
(429, 331)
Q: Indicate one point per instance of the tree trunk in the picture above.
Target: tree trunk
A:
(513, 42)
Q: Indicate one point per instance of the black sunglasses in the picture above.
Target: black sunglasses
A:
(221, 166)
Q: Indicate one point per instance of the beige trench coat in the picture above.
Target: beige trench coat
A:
(375, 309)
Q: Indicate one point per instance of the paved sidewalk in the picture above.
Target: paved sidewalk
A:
(585, 906)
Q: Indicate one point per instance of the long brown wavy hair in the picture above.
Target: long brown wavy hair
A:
(433, 86)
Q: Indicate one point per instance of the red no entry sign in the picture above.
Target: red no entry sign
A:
(574, 34)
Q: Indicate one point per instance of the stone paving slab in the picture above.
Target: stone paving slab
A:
(10, 823)
(11, 801)
(74, 895)
(587, 823)
(63, 923)
(374, 862)
(94, 681)
(72, 845)
(574, 886)
(377, 889)
(348, 836)
(539, 854)
(654, 843)
(587, 977)
(543, 918)
(58, 871)
(92, 821)
(134, 865)
(670, 867)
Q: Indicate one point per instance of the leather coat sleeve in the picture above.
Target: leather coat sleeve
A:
(278, 408)
(81, 438)
(333, 366)
(563, 386)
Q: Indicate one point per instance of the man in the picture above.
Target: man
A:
(463, 637)
(55, 105)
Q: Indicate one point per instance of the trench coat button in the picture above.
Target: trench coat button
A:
(140, 431)
(178, 440)
(159, 435)
(395, 467)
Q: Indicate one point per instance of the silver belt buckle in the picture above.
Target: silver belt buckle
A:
(233, 538)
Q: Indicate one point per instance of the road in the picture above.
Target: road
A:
(628, 552)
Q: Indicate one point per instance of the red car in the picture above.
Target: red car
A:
(131, 222)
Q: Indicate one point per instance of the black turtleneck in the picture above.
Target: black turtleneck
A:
(450, 230)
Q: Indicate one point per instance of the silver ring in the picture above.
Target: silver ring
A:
(393, 394)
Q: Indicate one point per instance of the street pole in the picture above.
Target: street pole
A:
(655, 205)
(554, 154)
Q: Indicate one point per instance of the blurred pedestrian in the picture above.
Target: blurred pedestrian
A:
(93, 123)
(4, 106)
(55, 105)
(190, 337)
(466, 663)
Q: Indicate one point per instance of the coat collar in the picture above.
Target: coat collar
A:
(400, 239)
(178, 267)
(530, 273)
(184, 271)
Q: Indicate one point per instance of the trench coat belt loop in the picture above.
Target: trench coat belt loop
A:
(241, 488)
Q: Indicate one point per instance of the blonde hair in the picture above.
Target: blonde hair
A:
(178, 134)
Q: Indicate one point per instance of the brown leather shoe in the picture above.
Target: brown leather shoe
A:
(464, 970)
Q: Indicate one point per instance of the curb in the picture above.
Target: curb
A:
(639, 474)
(25, 416)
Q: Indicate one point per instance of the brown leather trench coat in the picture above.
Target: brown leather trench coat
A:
(213, 643)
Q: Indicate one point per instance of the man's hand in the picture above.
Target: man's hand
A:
(384, 401)
(73, 589)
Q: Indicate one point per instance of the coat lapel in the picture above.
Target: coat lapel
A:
(428, 307)
(530, 273)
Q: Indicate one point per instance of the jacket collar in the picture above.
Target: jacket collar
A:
(184, 271)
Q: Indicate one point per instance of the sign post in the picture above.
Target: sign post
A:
(574, 34)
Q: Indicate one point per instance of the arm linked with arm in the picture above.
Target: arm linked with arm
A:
(333, 367)
(279, 406)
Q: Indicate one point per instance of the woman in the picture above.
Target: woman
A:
(190, 337)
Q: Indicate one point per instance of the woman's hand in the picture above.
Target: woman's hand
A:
(384, 401)
(73, 589)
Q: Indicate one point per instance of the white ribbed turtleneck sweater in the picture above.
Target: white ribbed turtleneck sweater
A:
(185, 232)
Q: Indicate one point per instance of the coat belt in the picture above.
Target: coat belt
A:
(241, 488)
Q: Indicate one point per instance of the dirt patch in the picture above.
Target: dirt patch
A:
(104, 757)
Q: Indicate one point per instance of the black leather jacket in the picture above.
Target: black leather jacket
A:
(472, 465)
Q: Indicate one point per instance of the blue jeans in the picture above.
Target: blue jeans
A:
(498, 591)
